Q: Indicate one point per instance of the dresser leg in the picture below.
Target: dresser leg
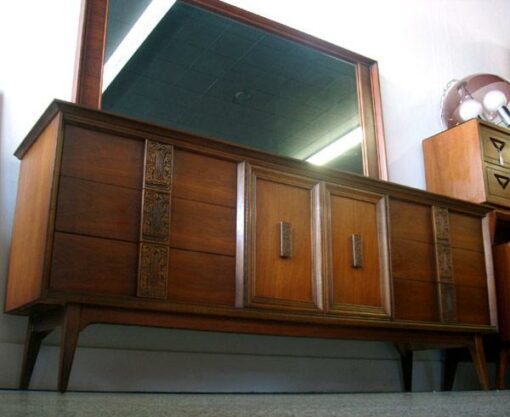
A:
(451, 360)
(477, 354)
(502, 366)
(406, 363)
(32, 346)
(39, 326)
(70, 331)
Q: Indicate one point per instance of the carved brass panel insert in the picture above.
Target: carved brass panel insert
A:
(441, 224)
(447, 303)
(285, 240)
(357, 251)
(158, 165)
(155, 220)
(444, 262)
(153, 270)
(156, 215)
(444, 265)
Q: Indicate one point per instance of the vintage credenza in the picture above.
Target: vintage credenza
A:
(123, 222)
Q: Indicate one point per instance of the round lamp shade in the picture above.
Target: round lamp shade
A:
(458, 104)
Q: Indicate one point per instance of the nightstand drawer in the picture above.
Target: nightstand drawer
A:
(496, 146)
(498, 185)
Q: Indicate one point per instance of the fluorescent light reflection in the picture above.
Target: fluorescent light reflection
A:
(142, 28)
(338, 147)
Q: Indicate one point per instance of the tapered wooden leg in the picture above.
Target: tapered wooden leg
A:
(70, 333)
(32, 346)
(502, 366)
(478, 355)
(451, 360)
(406, 363)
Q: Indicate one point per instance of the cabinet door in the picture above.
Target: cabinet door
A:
(357, 257)
(277, 233)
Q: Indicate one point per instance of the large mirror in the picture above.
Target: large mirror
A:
(217, 71)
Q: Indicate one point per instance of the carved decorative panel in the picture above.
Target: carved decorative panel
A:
(155, 220)
(444, 262)
(444, 265)
(153, 270)
(448, 303)
(158, 165)
(441, 223)
(156, 215)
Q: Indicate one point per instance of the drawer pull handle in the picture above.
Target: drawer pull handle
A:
(285, 240)
(502, 180)
(499, 145)
(357, 251)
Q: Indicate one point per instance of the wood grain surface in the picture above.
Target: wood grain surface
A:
(31, 220)
(275, 280)
(91, 265)
(502, 273)
(415, 300)
(203, 178)
(94, 209)
(93, 155)
(349, 285)
(453, 163)
(201, 278)
(203, 227)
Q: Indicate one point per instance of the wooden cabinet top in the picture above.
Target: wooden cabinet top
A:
(77, 115)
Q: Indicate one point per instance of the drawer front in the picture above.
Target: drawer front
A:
(276, 258)
(496, 146)
(498, 185)
(101, 157)
(357, 278)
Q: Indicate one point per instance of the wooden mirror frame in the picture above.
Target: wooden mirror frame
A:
(89, 72)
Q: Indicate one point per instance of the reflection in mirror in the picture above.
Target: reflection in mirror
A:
(195, 70)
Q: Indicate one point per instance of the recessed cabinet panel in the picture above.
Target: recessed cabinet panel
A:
(358, 278)
(280, 270)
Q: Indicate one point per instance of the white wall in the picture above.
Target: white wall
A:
(420, 46)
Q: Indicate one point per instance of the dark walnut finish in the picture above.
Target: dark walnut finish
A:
(472, 162)
(136, 224)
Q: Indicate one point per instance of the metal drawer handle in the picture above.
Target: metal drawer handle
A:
(285, 240)
(357, 251)
(502, 180)
(499, 145)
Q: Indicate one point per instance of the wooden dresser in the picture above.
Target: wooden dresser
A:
(123, 222)
(472, 161)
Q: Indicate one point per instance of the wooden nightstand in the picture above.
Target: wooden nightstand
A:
(472, 162)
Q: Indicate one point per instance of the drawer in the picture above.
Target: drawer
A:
(495, 145)
(413, 260)
(411, 221)
(498, 185)
(101, 157)
(469, 268)
(415, 300)
(472, 305)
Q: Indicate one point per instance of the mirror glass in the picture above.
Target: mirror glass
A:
(191, 69)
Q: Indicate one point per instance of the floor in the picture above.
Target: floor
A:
(465, 404)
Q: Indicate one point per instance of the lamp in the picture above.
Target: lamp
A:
(462, 100)
(495, 102)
